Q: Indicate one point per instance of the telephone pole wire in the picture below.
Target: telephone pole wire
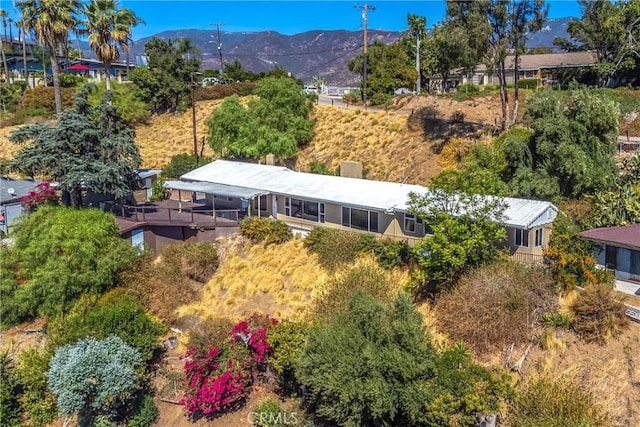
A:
(218, 24)
(365, 9)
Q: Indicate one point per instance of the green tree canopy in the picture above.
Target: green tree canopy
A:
(115, 313)
(59, 254)
(388, 68)
(277, 122)
(570, 152)
(467, 229)
(612, 30)
(89, 147)
(165, 82)
(375, 365)
(493, 28)
(367, 366)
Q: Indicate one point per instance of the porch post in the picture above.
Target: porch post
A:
(258, 198)
(179, 200)
(274, 206)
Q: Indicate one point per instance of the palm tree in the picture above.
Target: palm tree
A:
(109, 28)
(51, 21)
(23, 32)
(3, 14)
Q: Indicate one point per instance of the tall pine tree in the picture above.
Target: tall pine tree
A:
(90, 148)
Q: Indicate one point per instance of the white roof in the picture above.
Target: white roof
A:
(353, 192)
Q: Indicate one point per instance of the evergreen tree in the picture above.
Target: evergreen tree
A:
(89, 148)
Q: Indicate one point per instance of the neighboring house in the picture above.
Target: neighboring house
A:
(618, 249)
(305, 200)
(11, 190)
(538, 66)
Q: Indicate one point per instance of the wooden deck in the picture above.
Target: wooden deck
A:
(172, 213)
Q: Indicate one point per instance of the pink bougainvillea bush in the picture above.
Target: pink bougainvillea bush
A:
(43, 194)
(219, 378)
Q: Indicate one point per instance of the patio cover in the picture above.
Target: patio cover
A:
(211, 188)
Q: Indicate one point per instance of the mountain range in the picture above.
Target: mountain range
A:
(305, 55)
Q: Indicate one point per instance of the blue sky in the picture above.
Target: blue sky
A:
(289, 17)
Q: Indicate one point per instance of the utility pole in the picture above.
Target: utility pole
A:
(193, 119)
(365, 9)
(418, 82)
(218, 24)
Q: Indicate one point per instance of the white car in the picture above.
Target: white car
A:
(311, 89)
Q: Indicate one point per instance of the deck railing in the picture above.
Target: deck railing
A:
(194, 216)
(530, 259)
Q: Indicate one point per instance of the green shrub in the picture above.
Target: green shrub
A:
(490, 88)
(180, 164)
(115, 313)
(389, 253)
(70, 80)
(268, 413)
(381, 99)
(320, 168)
(529, 83)
(468, 88)
(556, 402)
(557, 319)
(9, 390)
(40, 102)
(334, 247)
(267, 230)
(223, 91)
(353, 97)
(158, 191)
(10, 96)
(287, 339)
(146, 415)
(598, 314)
(58, 255)
(36, 400)
(338, 247)
(130, 106)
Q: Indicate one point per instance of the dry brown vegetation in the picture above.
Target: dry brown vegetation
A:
(279, 280)
(495, 306)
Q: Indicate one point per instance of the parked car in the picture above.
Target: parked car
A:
(311, 89)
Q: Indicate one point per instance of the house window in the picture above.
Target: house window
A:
(522, 237)
(263, 203)
(360, 219)
(539, 238)
(312, 211)
(219, 197)
(410, 223)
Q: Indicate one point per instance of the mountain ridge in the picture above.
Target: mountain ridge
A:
(323, 53)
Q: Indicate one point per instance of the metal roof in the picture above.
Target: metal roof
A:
(214, 188)
(148, 173)
(354, 192)
(21, 187)
(624, 235)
